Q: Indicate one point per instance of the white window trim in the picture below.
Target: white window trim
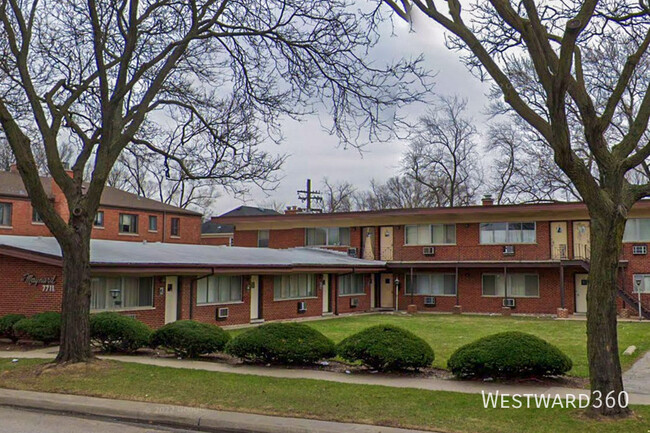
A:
(122, 309)
(327, 235)
(425, 295)
(508, 243)
(294, 299)
(204, 304)
(507, 294)
(430, 244)
(119, 310)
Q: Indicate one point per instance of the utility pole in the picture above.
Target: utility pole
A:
(310, 196)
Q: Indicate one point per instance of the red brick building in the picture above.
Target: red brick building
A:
(531, 258)
(160, 283)
(121, 216)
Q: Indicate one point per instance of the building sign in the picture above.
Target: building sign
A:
(48, 283)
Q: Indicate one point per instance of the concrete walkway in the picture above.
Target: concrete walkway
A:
(431, 384)
(637, 378)
(179, 416)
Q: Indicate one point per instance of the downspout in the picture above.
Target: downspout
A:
(164, 227)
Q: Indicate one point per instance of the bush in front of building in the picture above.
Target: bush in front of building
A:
(509, 355)
(282, 343)
(44, 327)
(113, 332)
(7, 323)
(387, 348)
(189, 338)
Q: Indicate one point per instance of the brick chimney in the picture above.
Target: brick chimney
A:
(487, 200)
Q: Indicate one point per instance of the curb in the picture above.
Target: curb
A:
(205, 420)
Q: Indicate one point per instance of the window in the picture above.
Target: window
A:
(430, 234)
(5, 214)
(351, 284)
(117, 293)
(153, 223)
(99, 219)
(295, 286)
(176, 227)
(637, 230)
(519, 285)
(332, 236)
(36, 218)
(431, 284)
(220, 289)
(508, 233)
(128, 223)
(263, 238)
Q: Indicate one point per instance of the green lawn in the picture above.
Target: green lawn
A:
(446, 333)
(409, 408)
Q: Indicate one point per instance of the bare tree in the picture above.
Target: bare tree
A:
(397, 193)
(338, 196)
(190, 80)
(521, 172)
(578, 99)
(442, 154)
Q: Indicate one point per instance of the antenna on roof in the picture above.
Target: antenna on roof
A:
(309, 196)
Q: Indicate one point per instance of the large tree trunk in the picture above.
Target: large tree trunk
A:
(602, 340)
(75, 309)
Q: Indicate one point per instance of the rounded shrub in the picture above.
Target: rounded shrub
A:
(7, 323)
(114, 332)
(387, 348)
(45, 327)
(189, 339)
(509, 355)
(282, 343)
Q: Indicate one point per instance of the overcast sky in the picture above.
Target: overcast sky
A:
(315, 154)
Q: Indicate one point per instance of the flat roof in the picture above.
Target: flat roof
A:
(462, 214)
(105, 253)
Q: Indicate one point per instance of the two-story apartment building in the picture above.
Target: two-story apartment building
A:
(122, 216)
(529, 258)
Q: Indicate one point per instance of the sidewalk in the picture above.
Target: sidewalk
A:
(638, 396)
(179, 416)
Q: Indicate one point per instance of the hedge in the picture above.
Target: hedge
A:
(45, 327)
(189, 339)
(282, 343)
(7, 326)
(509, 355)
(114, 332)
(387, 348)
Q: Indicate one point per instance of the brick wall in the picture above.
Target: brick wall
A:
(216, 240)
(190, 226)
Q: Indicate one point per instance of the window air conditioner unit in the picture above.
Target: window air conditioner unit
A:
(509, 302)
(352, 252)
(429, 251)
(429, 301)
(640, 250)
(354, 302)
(508, 250)
(222, 313)
(302, 307)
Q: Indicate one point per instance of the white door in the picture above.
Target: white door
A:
(559, 240)
(386, 243)
(582, 283)
(581, 240)
(326, 293)
(255, 297)
(387, 295)
(171, 299)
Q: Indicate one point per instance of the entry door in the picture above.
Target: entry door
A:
(326, 293)
(255, 297)
(387, 296)
(369, 243)
(559, 241)
(581, 241)
(386, 243)
(171, 299)
(582, 283)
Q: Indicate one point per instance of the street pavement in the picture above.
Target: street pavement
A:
(27, 421)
